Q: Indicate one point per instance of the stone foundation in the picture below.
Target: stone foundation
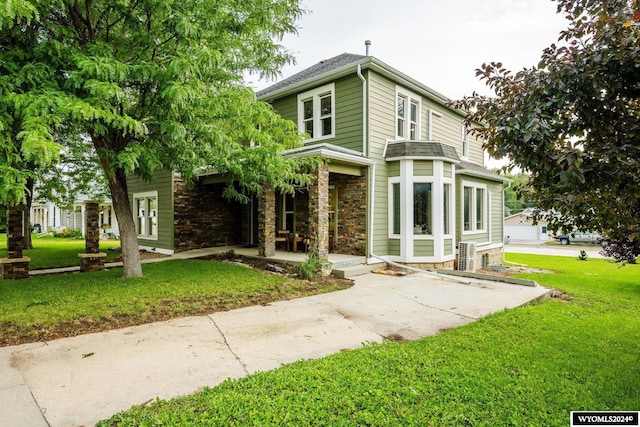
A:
(14, 268)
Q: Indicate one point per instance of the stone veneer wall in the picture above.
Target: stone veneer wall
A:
(352, 214)
(203, 218)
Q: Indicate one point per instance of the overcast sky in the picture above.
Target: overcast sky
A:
(438, 42)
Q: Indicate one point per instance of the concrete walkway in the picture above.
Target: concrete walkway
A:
(79, 381)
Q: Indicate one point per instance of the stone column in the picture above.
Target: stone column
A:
(267, 222)
(93, 259)
(319, 211)
(15, 266)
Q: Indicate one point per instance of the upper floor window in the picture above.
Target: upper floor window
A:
(407, 115)
(465, 141)
(316, 112)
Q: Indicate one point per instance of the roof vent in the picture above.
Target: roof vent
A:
(367, 43)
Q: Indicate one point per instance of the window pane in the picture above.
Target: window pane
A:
(308, 128)
(326, 126)
(396, 208)
(467, 208)
(446, 197)
(412, 132)
(422, 208)
(140, 207)
(479, 209)
(325, 105)
(308, 109)
(414, 112)
(400, 128)
(401, 107)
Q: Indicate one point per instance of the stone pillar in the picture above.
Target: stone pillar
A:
(93, 259)
(267, 222)
(319, 211)
(15, 266)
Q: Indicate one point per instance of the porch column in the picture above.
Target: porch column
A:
(267, 222)
(319, 211)
(15, 266)
(93, 259)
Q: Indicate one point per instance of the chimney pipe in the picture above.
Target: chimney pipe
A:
(367, 43)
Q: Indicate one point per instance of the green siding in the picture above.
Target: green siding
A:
(495, 216)
(448, 246)
(393, 168)
(422, 168)
(423, 248)
(497, 221)
(447, 170)
(394, 247)
(162, 183)
(348, 114)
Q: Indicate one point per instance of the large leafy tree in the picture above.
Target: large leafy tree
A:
(152, 84)
(573, 122)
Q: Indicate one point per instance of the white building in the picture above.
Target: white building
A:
(51, 217)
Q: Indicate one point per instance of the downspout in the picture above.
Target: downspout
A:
(364, 110)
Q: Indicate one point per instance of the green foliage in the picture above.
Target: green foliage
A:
(527, 366)
(69, 234)
(313, 265)
(573, 122)
(583, 255)
(516, 194)
(152, 84)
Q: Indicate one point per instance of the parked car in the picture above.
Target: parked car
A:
(579, 237)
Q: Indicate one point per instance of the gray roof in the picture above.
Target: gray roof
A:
(313, 71)
(427, 149)
(474, 169)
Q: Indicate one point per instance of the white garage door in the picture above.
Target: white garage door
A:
(521, 232)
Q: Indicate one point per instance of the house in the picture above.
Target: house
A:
(520, 227)
(46, 215)
(401, 177)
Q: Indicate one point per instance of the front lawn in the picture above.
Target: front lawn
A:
(527, 366)
(48, 307)
(51, 252)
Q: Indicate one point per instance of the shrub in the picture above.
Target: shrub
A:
(313, 265)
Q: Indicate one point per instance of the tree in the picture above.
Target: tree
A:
(516, 194)
(157, 84)
(573, 122)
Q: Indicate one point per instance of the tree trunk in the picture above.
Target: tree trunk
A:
(26, 216)
(128, 240)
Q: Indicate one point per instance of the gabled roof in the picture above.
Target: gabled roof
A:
(343, 65)
(316, 70)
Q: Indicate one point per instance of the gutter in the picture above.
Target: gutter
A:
(364, 109)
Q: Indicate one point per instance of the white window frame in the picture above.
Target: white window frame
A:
(392, 181)
(473, 206)
(315, 96)
(423, 180)
(465, 141)
(409, 98)
(146, 196)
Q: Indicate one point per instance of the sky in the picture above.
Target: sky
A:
(440, 43)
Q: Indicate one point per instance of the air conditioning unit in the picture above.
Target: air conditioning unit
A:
(467, 256)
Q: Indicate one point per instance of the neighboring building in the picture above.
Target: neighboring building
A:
(47, 216)
(520, 227)
(402, 178)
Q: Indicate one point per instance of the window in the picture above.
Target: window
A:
(474, 207)
(146, 205)
(407, 116)
(422, 209)
(395, 226)
(316, 112)
(465, 141)
(288, 212)
(446, 200)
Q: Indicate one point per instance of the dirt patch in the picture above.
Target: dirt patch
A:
(515, 270)
(143, 255)
(12, 333)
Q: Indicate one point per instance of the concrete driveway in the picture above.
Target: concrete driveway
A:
(79, 381)
(539, 248)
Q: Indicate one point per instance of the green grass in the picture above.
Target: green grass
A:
(46, 307)
(527, 366)
(51, 252)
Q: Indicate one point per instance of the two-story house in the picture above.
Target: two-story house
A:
(401, 178)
